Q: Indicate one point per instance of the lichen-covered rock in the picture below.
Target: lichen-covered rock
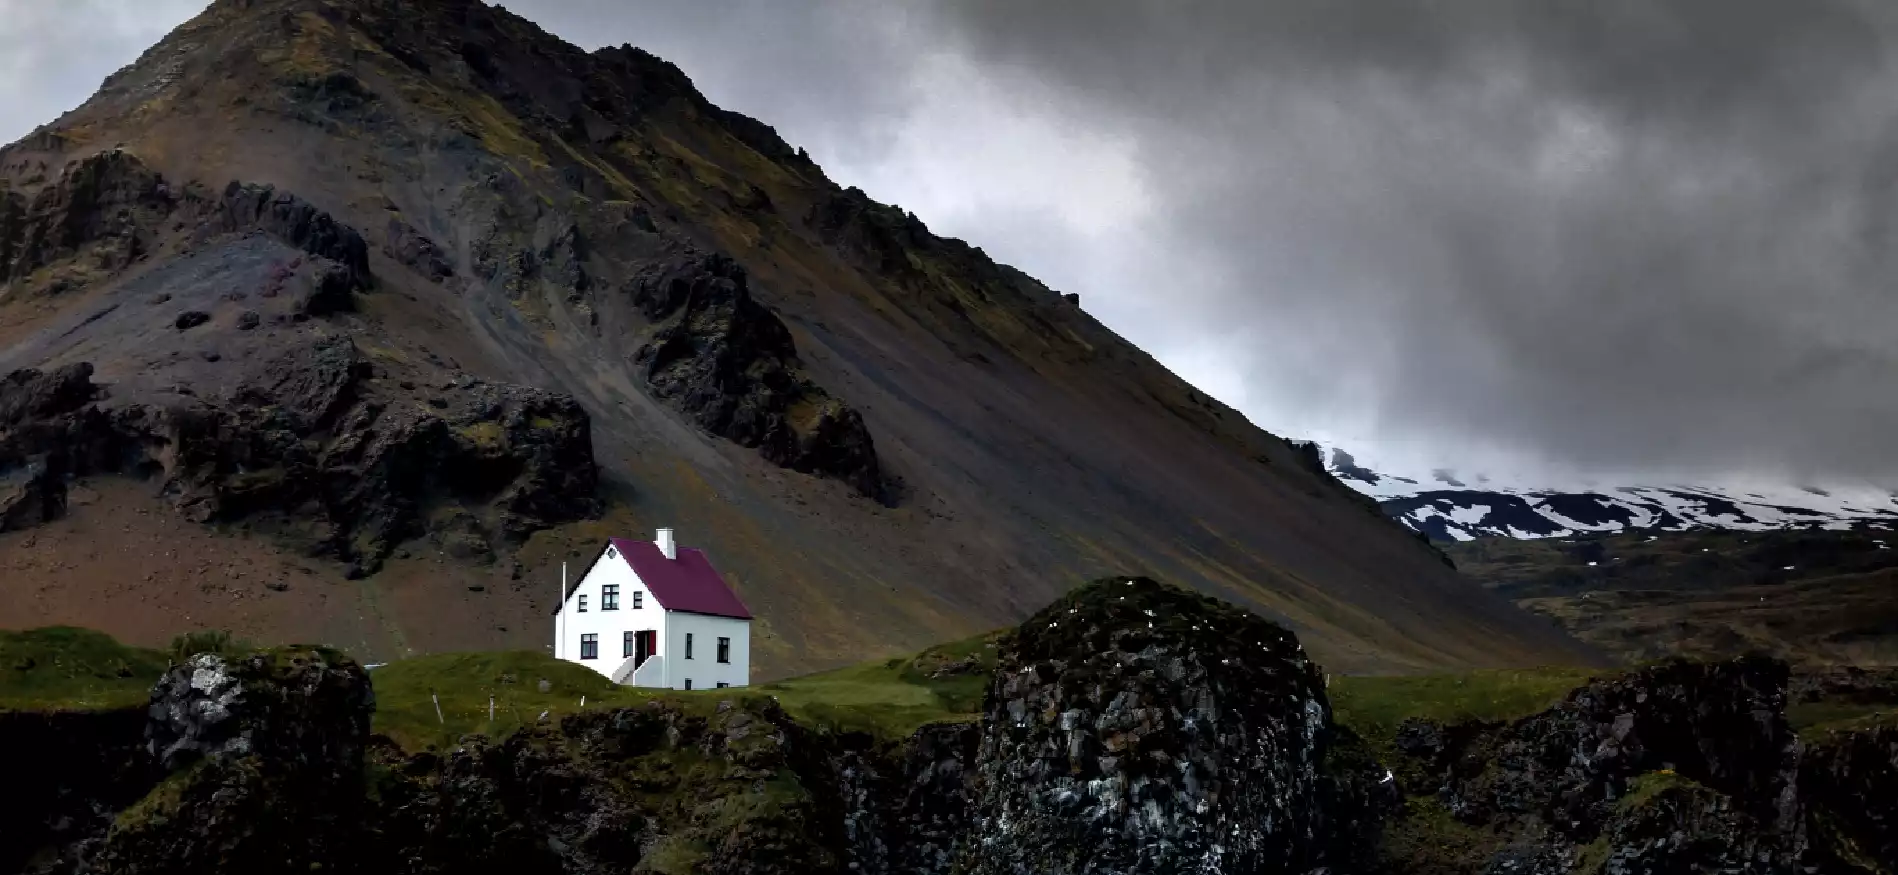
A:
(728, 362)
(907, 810)
(1685, 827)
(1849, 780)
(304, 706)
(265, 755)
(1721, 724)
(639, 789)
(1134, 727)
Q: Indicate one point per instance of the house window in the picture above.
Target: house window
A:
(688, 645)
(724, 650)
(590, 646)
(723, 685)
(609, 597)
(610, 552)
(639, 599)
(628, 641)
(583, 604)
(688, 683)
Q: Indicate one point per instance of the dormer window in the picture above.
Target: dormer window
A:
(583, 604)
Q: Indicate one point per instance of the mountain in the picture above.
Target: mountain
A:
(351, 321)
(1651, 572)
(1447, 506)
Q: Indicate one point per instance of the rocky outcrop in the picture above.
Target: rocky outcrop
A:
(313, 445)
(1674, 768)
(288, 218)
(1685, 827)
(1133, 727)
(108, 210)
(1722, 725)
(729, 363)
(263, 756)
(49, 432)
(108, 207)
(1849, 779)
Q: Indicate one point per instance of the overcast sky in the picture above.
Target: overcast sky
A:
(1589, 234)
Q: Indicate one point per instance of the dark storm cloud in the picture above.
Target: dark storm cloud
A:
(1647, 234)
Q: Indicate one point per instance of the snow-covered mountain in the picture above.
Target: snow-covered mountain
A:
(1449, 507)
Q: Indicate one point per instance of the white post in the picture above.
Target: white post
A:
(438, 707)
(490, 709)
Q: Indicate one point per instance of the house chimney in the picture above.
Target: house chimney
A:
(666, 544)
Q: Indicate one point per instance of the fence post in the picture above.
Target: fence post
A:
(438, 707)
(490, 709)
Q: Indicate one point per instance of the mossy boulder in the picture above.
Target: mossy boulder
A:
(1136, 727)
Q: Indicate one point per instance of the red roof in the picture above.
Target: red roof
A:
(688, 583)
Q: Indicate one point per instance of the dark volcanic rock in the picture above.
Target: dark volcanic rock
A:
(1685, 827)
(190, 319)
(106, 207)
(306, 442)
(1849, 779)
(1721, 724)
(266, 760)
(305, 707)
(112, 209)
(730, 364)
(294, 221)
(407, 245)
(1133, 727)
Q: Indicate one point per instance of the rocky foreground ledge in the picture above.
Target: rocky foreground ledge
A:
(1130, 727)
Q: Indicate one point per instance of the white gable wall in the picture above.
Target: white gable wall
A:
(703, 669)
(611, 626)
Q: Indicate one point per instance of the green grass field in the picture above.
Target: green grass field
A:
(62, 668)
(1374, 706)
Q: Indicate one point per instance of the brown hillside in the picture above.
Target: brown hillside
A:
(883, 437)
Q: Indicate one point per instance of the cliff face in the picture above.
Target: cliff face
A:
(883, 437)
(1203, 742)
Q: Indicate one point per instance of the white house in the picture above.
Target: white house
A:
(654, 614)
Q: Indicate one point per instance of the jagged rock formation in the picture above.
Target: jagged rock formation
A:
(314, 444)
(1722, 725)
(1849, 780)
(1662, 770)
(729, 363)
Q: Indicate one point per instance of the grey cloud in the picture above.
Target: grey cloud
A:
(54, 54)
(1622, 234)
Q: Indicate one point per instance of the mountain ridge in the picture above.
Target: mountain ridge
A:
(883, 437)
(1448, 507)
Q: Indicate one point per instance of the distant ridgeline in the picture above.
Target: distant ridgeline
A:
(1448, 505)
